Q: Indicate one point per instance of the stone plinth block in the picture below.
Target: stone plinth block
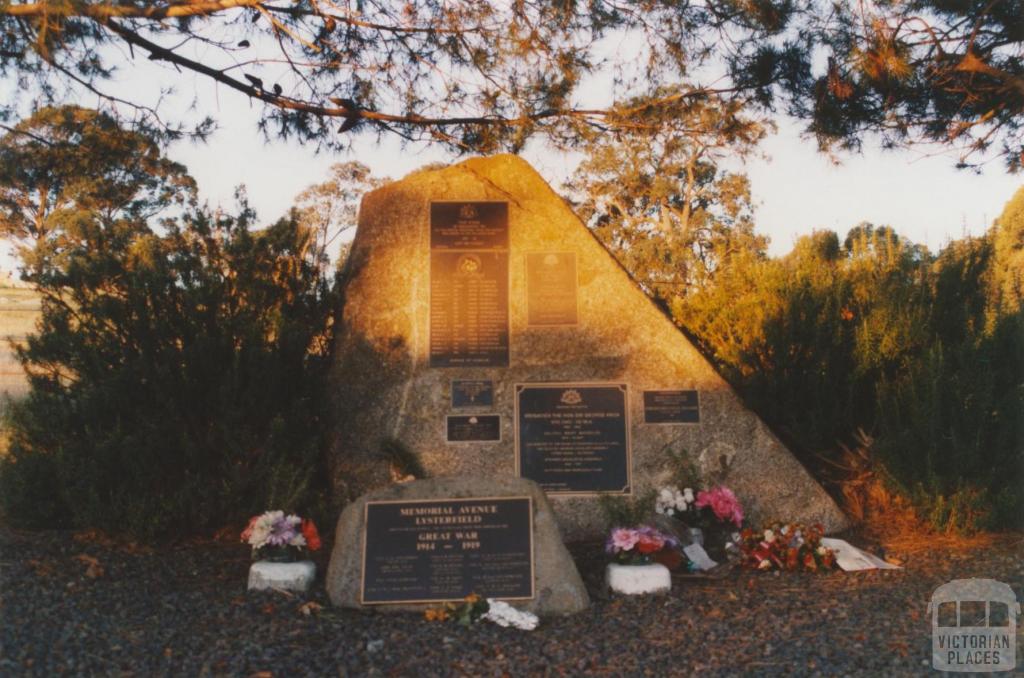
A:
(557, 586)
(298, 576)
(636, 579)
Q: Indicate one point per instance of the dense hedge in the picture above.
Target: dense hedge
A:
(177, 379)
(924, 353)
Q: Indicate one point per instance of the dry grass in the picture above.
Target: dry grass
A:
(19, 311)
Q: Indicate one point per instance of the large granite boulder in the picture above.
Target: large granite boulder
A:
(385, 387)
(558, 588)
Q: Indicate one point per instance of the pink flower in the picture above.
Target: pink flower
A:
(723, 503)
(624, 539)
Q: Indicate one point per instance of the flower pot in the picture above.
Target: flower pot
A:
(637, 579)
(297, 576)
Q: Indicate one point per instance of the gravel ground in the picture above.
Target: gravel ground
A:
(83, 606)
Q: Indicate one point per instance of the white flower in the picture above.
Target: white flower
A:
(736, 537)
(688, 495)
(503, 614)
(659, 509)
(822, 550)
(671, 512)
(764, 564)
(769, 536)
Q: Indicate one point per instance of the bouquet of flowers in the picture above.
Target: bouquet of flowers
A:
(786, 546)
(673, 503)
(475, 608)
(638, 545)
(712, 508)
(275, 536)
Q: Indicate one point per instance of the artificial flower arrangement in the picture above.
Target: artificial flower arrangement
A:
(709, 508)
(475, 608)
(716, 513)
(638, 545)
(786, 546)
(279, 537)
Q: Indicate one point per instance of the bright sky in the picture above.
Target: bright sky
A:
(796, 188)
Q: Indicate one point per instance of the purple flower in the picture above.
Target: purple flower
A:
(283, 531)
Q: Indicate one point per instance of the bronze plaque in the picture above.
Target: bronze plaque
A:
(468, 309)
(444, 549)
(472, 393)
(573, 438)
(671, 407)
(469, 225)
(551, 288)
(465, 428)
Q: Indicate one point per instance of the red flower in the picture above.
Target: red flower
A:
(247, 532)
(311, 535)
(649, 544)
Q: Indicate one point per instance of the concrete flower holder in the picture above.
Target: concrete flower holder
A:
(636, 579)
(297, 576)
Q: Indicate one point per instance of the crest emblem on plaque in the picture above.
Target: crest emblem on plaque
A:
(468, 212)
(571, 397)
(469, 264)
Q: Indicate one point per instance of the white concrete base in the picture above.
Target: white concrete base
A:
(288, 576)
(636, 579)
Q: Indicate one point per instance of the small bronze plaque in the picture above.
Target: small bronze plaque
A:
(469, 225)
(444, 549)
(472, 393)
(464, 428)
(551, 288)
(469, 309)
(671, 407)
(573, 438)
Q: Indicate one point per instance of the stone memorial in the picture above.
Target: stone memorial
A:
(475, 286)
(417, 544)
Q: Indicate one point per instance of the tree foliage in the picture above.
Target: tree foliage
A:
(330, 210)
(479, 76)
(177, 373)
(876, 334)
(66, 163)
(662, 204)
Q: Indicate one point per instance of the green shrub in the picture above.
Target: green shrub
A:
(177, 379)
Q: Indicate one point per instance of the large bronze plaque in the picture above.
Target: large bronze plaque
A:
(671, 407)
(551, 288)
(573, 438)
(444, 549)
(469, 225)
(468, 309)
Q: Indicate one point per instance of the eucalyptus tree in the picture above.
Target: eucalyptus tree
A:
(71, 164)
(663, 203)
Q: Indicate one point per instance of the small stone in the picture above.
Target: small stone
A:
(557, 583)
(374, 646)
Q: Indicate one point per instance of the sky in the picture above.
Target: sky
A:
(796, 188)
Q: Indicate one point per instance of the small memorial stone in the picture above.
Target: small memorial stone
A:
(441, 538)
